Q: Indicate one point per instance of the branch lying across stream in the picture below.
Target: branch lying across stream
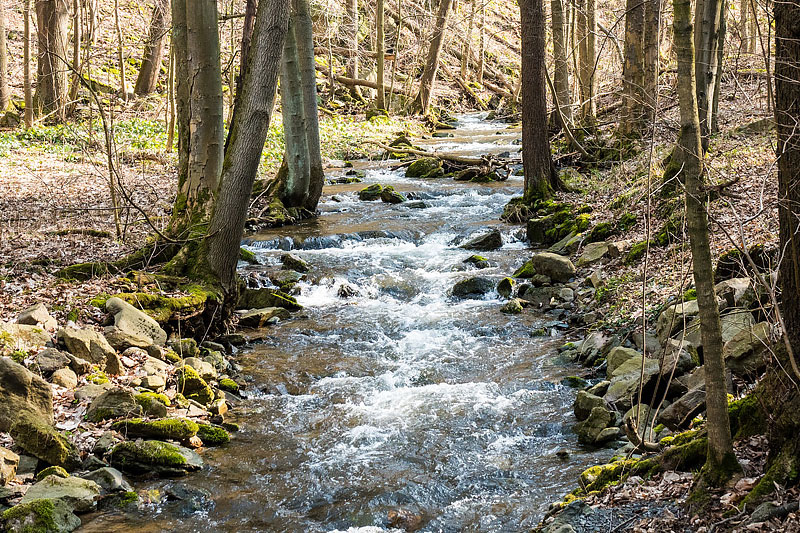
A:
(423, 153)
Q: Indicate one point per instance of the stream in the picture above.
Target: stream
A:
(398, 397)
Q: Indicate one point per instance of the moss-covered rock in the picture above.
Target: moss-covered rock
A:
(263, 298)
(40, 516)
(51, 471)
(193, 387)
(525, 271)
(637, 251)
(185, 347)
(166, 308)
(391, 196)
(506, 287)
(212, 435)
(601, 232)
(152, 457)
(371, 192)
(165, 428)
(38, 438)
(747, 417)
(425, 167)
(247, 256)
(229, 385)
(114, 403)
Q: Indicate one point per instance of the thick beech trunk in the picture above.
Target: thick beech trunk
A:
(295, 190)
(423, 101)
(561, 66)
(633, 69)
(351, 28)
(380, 36)
(721, 463)
(52, 18)
(709, 39)
(154, 49)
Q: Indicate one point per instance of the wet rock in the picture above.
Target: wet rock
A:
(292, 262)
(744, 353)
(21, 391)
(425, 167)
(76, 492)
(162, 429)
(49, 360)
(506, 287)
(109, 480)
(41, 516)
(588, 430)
(512, 307)
(525, 271)
(37, 315)
(189, 500)
(371, 192)
(40, 439)
(152, 457)
(213, 435)
(134, 322)
(540, 297)
(390, 196)
(556, 267)
(404, 519)
(65, 377)
(257, 318)
(592, 253)
(9, 461)
(585, 402)
(479, 261)
(262, 298)
(487, 242)
(680, 414)
(473, 288)
(114, 403)
(416, 205)
(92, 346)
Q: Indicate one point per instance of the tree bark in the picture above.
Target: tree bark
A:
(423, 101)
(633, 69)
(247, 37)
(295, 191)
(52, 82)
(380, 99)
(561, 66)
(120, 53)
(351, 25)
(154, 49)
(721, 463)
(588, 58)
(536, 158)
(709, 39)
(26, 57)
(652, 36)
(5, 96)
(248, 134)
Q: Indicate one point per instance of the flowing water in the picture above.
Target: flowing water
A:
(400, 397)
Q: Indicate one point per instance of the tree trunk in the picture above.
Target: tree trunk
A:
(5, 96)
(633, 69)
(120, 53)
(467, 45)
(26, 58)
(351, 25)
(295, 190)
(587, 66)
(721, 463)
(247, 37)
(380, 100)
(423, 101)
(200, 121)
(652, 43)
(744, 7)
(709, 39)
(304, 37)
(154, 49)
(561, 66)
(536, 158)
(248, 134)
(482, 49)
(52, 82)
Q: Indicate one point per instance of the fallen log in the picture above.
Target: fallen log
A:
(360, 83)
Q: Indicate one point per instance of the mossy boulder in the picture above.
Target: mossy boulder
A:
(505, 287)
(41, 516)
(78, 493)
(390, 196)
(185, 347)
(512, 307)
(262, 298)
(589, 430)
(193, 387)
(475, 287)
(229, 385)
(425, 167)
(134, 322)
(153, 404)
(40, 439)
(20, 391)
(169, 308)
(371, 192)
(478, 260)
(525, 271)
(212, 435)
(51, 471)
(601, 232)
(162, 429)
(292, 262)
(585, 402)
(637, 252)
(152, 457)
(554, 266)
(114, 403)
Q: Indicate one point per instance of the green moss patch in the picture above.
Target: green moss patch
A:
(166, 428)
(213, 435)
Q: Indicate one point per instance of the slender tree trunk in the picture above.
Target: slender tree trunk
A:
(351, 25)
(561, 66)
(467, 45)
(423, 101)
(247, 36)
(77, 68)
(482, 50)
(380, 100)
(587, 66)
(536, 158)
(709, 39)
(120, 53)
(52, 81)
(721, 462)
(744, 7)
(652, 43)
(633, 69)
(154, 49)
(26, 58)
(297, 184)
(304, 35)
(5, 96)
(248, 134)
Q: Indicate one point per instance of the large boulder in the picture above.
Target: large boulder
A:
(22, 337)
(680, 414)
(744, 353)
(675, 317)
(191, 385)
(20, 391)
(78, 493)
(114, 403)
(733, 322)
(617, 356)
(737, 292)
(8, 465)
(625, 381)
(41, 516)
(92, 346)
(37, 315)
(425, 167)
(178, 429)
(590, 429)
(592, 253)
(109, 479)
(473, 287)
(121, 341)
(152, 457)
(261, 298)
(134, 322)
(585, 402)
(256, 318)
(676, 356)
(49, 360)
(40, 439)
(486, 242)
(554, 266)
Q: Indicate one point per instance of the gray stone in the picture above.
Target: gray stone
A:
(114, 403)
(607, 435)
(592, 253)
(647, 343)
(675, 317)
(76, 492)
(486, 242)
(153, 457)
(585, 402)
(744, 353)
(78, 365)
(733, 322)
(92, 346)
(22, 390)
(134, 322)
(556, 267)
(592, 346)
(292, 262)
(680, 414)
(617, 356)
(9, 461)
(109, 479)
(588, 430)
(625, 380)
(90, 391)
(566, 294)
(155, 383)
(121, 341)
(256, 318)
(155, 367)
(473, 288)
(65, 377)
(206, 370)
(37, 316)
(49, 360)
(540, 297)
(24, 337)
(560, 247)
(737, 292)
(57, 517)
(599, 389)
(596, 280)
